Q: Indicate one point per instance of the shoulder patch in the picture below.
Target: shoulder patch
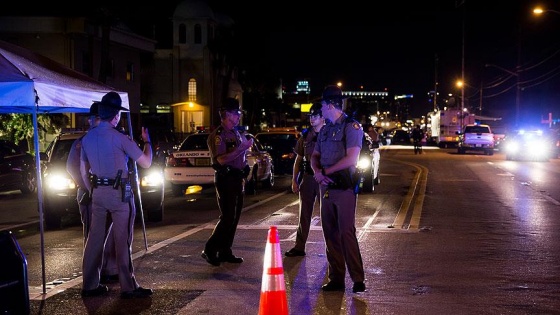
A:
(356, 126)
(218, 140)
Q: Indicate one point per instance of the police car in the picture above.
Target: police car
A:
(191, 164)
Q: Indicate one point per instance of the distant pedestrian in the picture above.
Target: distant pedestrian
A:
(227, 148)
(104, 170)
(109, 271)
(302, 178)
(334, 163)
(417, 137)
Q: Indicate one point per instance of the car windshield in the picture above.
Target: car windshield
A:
(277, 141)
(61, 150)
(195, 142)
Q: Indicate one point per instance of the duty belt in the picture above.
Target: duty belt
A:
(105, 182)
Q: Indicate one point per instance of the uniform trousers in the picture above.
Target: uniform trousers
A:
(107, 200)
(109, 254)
(229, 193)
(308, 193)
(338, 220)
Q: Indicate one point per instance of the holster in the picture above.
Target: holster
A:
(341, 180)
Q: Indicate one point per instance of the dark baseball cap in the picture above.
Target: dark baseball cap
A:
(94, 109)
(315, 109)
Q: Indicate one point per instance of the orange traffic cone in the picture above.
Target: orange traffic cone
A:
(273, 288)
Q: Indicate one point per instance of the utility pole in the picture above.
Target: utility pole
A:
(436, 82)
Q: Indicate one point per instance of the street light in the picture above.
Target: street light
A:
(539, 11)
(517, 88)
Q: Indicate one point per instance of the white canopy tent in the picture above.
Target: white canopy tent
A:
(33, 84)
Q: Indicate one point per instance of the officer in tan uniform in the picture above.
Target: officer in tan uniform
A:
(334, 162)
(302, 178)
(104, 169)
(227, 148)
(109, 272)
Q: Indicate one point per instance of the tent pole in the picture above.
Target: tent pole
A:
(137, 185)
(39, 194)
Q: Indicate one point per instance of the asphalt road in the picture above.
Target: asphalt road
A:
(443, 233)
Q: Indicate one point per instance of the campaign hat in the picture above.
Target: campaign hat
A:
(113, 100)
(230, 104)
(94, 109)
(332, 92)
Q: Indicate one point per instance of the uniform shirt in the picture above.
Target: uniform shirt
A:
(335, 137)
(107, 150)
(73, 162)
(222, 141)
(306, 145)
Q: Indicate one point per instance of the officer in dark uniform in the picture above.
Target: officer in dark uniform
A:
(334, 163)
(104, 156)
(302, 178)
(227, 148)
(109, 272)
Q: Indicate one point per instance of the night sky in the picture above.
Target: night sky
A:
(399, 46)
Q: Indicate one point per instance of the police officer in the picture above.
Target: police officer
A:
(302, 178)
(227, 148)
(333, 162)
(109, 272)
(105, 153)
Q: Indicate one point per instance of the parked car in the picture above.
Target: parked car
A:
(191, 164)
(59, 190)
(368, 163)
(476, 137)
(17, 169)
(532, 145)
(280, 143)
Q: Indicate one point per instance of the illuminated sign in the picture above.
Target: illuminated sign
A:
(305, 108)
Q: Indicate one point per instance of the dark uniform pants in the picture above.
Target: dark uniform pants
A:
(108, 200)
(109, 253)
(338, 219)
(308, 192)
(229, 191)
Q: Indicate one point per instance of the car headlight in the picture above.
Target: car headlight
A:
(152, 179)
(59, 181)
(364, 163)
(512, 147)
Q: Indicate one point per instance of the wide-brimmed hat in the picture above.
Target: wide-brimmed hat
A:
(231, 104)
(315, 109)
(332, 92)
(113, 101)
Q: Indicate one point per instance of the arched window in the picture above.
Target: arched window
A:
(192, 90)
(182, 34)
(197, 34)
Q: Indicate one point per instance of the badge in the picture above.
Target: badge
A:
(356, 126)
(218, 140)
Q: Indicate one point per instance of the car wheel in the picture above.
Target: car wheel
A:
(52, 220)
(29, 183)
(368, 182)
(178, 190)
(269, 181)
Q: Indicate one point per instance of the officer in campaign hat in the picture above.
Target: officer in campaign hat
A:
(227, 149)
(110, 105)
(334, 162)
(302, 178)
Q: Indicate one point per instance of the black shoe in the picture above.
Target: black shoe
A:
(358, 287)
(231, 259)
(211, 259)
(109, 279)
(333, 286)
(294, 252)
(137, 293)
(100, 290)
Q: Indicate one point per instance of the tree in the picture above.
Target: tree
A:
(19, 127)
